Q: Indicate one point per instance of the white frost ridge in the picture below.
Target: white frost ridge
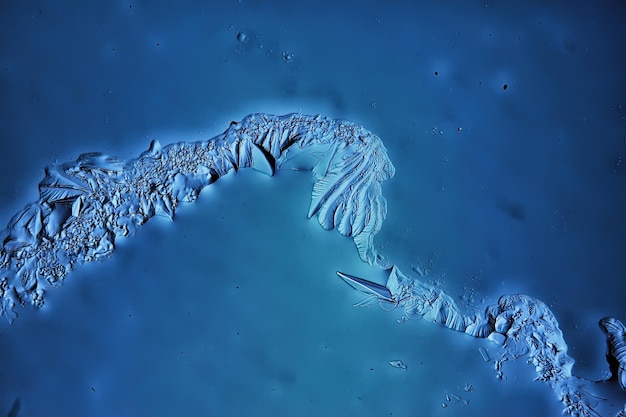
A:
(86, 204)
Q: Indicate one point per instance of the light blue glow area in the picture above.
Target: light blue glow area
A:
(264, 319)
(565, 83)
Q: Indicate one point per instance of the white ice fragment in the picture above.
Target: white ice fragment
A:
(497, 338)
(61, 184)
(77, 206)
(398, 364)
(397, 281)
(262, 161)
(479, 327)
(483, 352)
(502, 324)
(154, 150)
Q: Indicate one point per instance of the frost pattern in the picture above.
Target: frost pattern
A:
(616, 347)
(86, 204)
(523, 327)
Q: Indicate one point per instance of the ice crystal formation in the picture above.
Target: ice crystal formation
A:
(85, 205)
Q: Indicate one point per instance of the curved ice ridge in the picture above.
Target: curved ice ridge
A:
(523, 327)
(86, 204)
(616, 347)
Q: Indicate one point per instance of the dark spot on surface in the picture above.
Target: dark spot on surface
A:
(505, 86)
(436, 72)
(516, 211)
(93, 389)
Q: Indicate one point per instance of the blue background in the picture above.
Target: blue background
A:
(234, 309)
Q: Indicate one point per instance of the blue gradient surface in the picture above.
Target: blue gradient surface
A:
(235, 308)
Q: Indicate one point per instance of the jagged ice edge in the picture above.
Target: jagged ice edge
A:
(524, 327)
(85, 205)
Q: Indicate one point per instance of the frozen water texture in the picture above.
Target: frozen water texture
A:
(85, 205)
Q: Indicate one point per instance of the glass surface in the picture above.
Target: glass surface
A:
(507, 129)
